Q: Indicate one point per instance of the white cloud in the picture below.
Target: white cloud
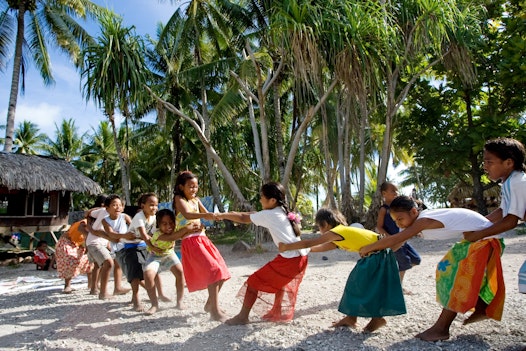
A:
(43, 115)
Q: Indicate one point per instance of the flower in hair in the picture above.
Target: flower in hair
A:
(294, 217)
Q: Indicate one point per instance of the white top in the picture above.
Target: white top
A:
(119, 226)
(280, 229)
(513, 195)
(139, 220)
(456, 221)
(99, 214)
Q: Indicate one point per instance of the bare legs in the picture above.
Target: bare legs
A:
(67, 286)
(177, 271)
(479, 314)
(242, 317)
(149, 282)
(118, 289)
(104, 278)
(212, 305)
(439, 330)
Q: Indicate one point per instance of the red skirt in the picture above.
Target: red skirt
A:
(71, 259)
(277, 283)
(203, 264)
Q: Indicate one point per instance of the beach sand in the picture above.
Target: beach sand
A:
(40, 319)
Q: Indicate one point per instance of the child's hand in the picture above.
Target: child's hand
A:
(282, 247)
(129, 236)
(364, 251)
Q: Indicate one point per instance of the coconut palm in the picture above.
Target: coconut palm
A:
(68, 144)
(115, 72)
(28, 139)
(49, 22)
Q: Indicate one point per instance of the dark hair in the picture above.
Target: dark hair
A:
(144, 197)
(386, 185)
(109, 199)
(181, 180)
(330, 216)
(41, 243)
(402, 203)
(99, 201)
(164, 212)
(274, 190)
(505, 148)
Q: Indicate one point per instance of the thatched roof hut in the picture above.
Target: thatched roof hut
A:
(32, 173)
(35, 192)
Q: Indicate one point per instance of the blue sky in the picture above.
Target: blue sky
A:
(47, 106)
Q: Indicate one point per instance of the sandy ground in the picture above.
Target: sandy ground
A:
(48, 320)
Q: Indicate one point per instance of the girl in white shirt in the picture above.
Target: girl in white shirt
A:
(282, 276)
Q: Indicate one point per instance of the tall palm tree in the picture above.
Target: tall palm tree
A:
(49, 22)
(28, 139)
(115, 72)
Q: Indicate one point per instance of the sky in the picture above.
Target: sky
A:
(47, 106)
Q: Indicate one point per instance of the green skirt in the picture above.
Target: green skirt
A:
(373, 288)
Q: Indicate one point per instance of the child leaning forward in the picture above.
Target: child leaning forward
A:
(364, 294)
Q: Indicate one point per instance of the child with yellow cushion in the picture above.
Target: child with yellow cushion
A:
(364, 294)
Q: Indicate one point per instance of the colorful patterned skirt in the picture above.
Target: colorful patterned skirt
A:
(469, 271)
(373, 288)
(72, 260)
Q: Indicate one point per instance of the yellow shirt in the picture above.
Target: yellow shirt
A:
(353, 238)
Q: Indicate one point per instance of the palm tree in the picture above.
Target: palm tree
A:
(114, 73)
(67, 145)
(101, 162)
(50, 22)
(28, 139)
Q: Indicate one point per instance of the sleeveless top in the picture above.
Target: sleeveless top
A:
(389, 225)
(181, 221)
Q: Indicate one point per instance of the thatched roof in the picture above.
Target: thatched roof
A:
(32, 173)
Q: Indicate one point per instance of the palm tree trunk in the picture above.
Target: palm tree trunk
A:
(15, 79)
(124, 174)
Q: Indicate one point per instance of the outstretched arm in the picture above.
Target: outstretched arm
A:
(182, 206)
(327, 237)
(239, 217)
(392, 241)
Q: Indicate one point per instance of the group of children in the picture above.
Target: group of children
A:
(144, 244)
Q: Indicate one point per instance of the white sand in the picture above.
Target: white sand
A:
(49, 320)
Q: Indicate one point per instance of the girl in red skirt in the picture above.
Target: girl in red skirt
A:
(204, 267)
(275, 285)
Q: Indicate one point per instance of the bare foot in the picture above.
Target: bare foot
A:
(105, 297)
(237, 320)
(152, 310)
(138, 307)
(218, 316)
(165, 298)
(432, 335)
(94, 292)
(68, 290)
(180, 305)
(347, 321)
(121, 291)
(374, 324)
(475, 317)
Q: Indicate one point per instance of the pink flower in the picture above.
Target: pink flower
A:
(294, 217)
